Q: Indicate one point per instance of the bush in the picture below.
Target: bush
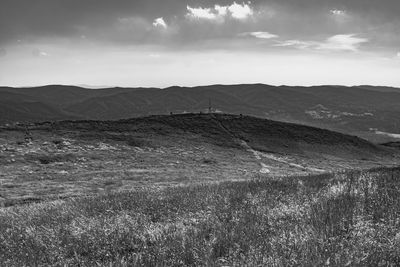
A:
(209, 161)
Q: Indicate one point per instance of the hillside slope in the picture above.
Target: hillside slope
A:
(15, 107)
(70, 158)
(230, 131)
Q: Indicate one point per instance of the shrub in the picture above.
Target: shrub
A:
(209, 161)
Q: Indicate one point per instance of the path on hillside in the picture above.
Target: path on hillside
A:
(258, 155)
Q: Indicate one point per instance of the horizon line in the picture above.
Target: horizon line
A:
(100, 87)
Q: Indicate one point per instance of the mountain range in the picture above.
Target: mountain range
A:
(371, 112)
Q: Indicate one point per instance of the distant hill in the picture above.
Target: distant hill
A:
(360, 110)
(21, 107)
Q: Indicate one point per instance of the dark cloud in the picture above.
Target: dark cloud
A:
(131, 21)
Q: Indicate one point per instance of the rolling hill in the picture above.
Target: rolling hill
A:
(166, 184)
(366, 111)
(69, 158)
(230, 131)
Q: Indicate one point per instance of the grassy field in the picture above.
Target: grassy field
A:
(69, 159)
(342, 219)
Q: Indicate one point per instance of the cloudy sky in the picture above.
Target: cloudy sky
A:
(184, 42)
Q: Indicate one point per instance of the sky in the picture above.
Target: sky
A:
(161, 43)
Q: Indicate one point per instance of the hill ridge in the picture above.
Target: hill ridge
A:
(354, 110)
(225, 129)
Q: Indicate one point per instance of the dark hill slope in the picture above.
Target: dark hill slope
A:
(355, 110)
(230, 131)
(68, 158)
(152, 101)
(19, 107)
(62, 95)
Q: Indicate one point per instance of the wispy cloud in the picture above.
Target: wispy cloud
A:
(295, 43)
(39, 53)
(259, 35)
(160, 22)
(340, 42)
(343, 42)
(155, 56)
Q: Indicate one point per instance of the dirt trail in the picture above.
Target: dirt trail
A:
(265, 168)
(260, 155)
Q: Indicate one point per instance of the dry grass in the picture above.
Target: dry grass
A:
(60, 164)
(346, 219)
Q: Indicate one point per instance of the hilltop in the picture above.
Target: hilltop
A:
(226, 130)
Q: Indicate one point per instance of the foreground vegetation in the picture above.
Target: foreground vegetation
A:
(344, 219)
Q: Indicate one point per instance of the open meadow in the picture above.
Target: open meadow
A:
(343, 219)
(195, 190)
